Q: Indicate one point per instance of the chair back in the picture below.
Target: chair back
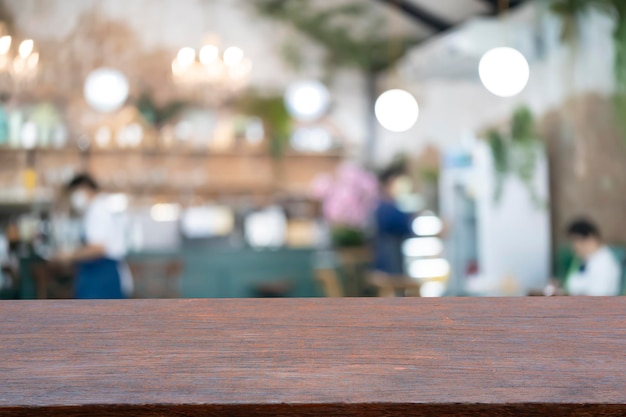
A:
(156, 278)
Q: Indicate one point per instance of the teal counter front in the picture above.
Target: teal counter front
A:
(238, 273)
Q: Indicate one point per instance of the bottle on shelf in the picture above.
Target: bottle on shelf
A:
(4, 127)
(16, 120)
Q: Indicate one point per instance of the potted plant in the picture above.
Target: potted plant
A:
(348, 198)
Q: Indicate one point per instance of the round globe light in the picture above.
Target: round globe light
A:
(504, 71)
(396, 110)
(307, 100)
(106, 90)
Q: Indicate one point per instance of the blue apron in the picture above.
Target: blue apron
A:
(99, 279)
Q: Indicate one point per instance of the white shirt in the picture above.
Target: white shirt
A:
(601, 276)
(105, 228)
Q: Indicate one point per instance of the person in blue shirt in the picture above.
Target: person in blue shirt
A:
(392, 226)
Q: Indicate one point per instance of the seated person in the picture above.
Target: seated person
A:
(597, 273)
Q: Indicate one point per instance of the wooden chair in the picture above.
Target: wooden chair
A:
(10, 289)
(394, 285)
(53, 281)
(330, 283)
(273, 289)
(156, 278)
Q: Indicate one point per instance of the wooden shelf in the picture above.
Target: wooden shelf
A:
(201, 190)
(20, 151)
(232, 172)
(169, 153)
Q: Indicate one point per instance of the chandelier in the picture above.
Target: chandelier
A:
(215, 74)
(18, 68)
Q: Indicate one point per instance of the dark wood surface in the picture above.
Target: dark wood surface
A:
(319, 357)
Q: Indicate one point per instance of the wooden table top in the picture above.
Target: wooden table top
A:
(314, 357)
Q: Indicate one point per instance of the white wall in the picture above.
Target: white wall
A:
(451, 106)
(172, 24)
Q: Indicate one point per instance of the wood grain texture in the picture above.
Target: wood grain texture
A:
(318, 357)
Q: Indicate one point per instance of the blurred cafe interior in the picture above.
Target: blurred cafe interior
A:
(328, 148)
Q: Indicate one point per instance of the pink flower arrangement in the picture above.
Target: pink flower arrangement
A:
(349, 197)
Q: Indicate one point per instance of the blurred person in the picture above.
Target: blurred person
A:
(392, 226)
(101, 272)
(598, 273)
(11, 259)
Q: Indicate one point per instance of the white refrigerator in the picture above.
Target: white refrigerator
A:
(496, 247)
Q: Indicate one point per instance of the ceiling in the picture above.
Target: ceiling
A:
(432, 17)
(456, 53)
(453, 34)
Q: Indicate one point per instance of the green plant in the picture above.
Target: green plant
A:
(619, 41)
(351, 33)
(524, 136)
(348, 237)
(156, 115)
(572, 11)
(501, 160)
(272, 111)
(619, 36)
(516, 153)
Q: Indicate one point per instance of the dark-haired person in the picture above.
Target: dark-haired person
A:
(393, 226)
(598, 273)
(101, 273)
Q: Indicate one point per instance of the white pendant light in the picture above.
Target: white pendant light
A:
(307, 101)
(397, 110)
(106, 90)
(504, 71)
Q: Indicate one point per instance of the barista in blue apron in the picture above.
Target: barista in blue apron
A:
(100, 272)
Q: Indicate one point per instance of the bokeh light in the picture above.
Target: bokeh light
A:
(504, 71)
(312, 139)
(106, 90)
(397, 110)
(307, 100)
(422, 247)
(432, 289)
(428, 225)
(429, 268)
(165, 212)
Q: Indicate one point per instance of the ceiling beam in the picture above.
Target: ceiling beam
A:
(419, 14)
(496, 4)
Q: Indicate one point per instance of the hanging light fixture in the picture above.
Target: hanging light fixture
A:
(396, 110)
(19, 63)
(106, 90)
(504, 71)
(224, 73)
